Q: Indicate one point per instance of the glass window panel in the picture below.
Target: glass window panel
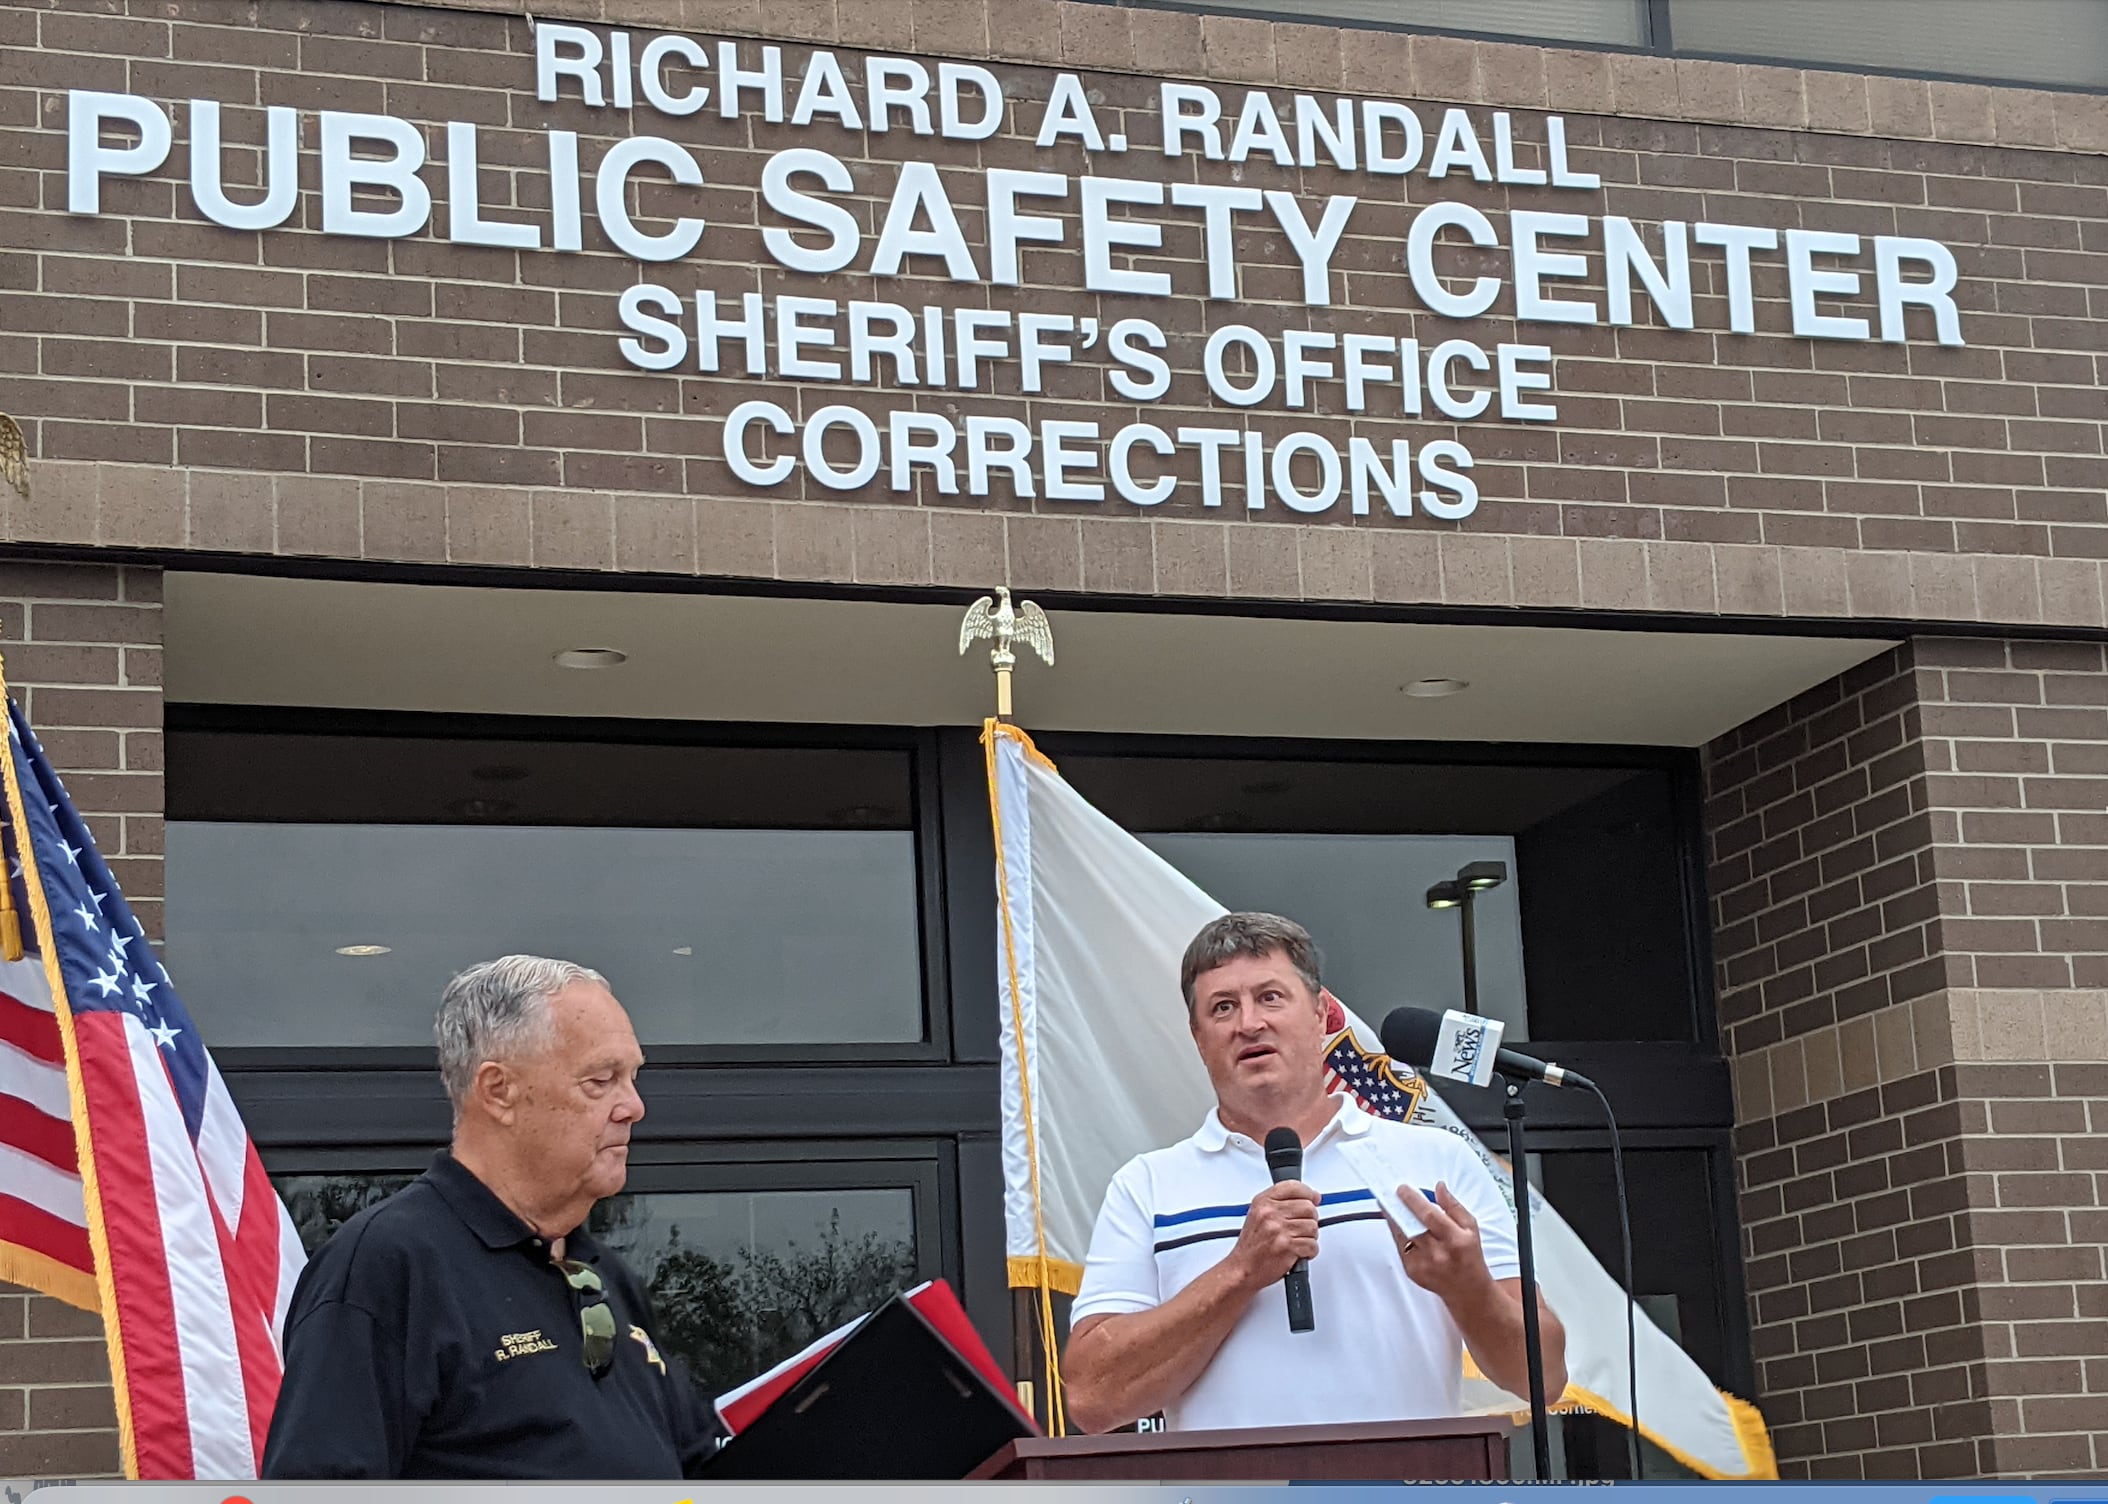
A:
(1364, 899)
(1604, 916)
(1678, 1265)
(2032, 41)
(320, 1204)
(1595, 897)
(740, 1280)
(708, 936)
(1610, 23)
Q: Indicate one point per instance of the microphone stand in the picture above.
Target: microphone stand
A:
(1532, 1337)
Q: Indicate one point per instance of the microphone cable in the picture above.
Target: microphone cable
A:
(1632, 1330)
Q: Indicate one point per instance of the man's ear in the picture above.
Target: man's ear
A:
(495, 1092)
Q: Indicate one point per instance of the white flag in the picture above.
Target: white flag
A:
(1098, 1066)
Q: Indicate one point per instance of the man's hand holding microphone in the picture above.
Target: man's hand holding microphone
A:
(1280, 1231)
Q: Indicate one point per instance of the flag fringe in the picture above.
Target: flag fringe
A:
(1750, 1434)
(1032, 753)
(1754, 1436)
(1058, 1275)
(76, 1087)
(43, 1273)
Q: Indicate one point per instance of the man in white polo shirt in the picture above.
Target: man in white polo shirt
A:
(1181, 1311)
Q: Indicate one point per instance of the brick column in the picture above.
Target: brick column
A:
(83, 648)
(1910, 884)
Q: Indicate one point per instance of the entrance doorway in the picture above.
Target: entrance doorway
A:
(799, 910)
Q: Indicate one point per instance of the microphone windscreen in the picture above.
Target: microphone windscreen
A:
(1409, 1034)
(1284, 1151)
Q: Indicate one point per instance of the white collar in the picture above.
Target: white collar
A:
(1349, 1121)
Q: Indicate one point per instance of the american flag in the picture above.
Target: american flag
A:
(128, 1184)
(1371, 1078)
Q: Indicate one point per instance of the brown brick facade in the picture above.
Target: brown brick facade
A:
(1910, 878)
(190, 387)
(83, 650)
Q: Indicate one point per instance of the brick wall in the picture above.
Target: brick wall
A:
(187, 386)
(83, 651)
(1910, 885)
(2017, 775)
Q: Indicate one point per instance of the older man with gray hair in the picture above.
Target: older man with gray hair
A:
(469, 1326)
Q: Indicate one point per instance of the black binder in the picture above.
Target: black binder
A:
(895, 1402)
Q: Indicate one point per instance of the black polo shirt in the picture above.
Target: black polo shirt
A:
(432, 1338)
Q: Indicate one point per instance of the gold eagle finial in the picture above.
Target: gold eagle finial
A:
(994, 617)
(14, 456)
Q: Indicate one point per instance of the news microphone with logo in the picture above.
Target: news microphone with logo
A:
(1284, 1159)
(1465, 1047)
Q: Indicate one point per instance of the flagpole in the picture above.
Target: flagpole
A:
(10, 920)
(994, 618)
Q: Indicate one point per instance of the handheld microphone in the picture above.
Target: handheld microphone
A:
(1284, 1158)
(1465, 1047)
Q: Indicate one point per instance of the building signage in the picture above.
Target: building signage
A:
(972, 272)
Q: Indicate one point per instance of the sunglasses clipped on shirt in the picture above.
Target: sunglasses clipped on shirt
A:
(596, 1319)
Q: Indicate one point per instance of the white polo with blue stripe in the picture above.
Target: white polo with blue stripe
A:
(1383, 1348)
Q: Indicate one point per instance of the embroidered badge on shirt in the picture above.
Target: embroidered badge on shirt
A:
(651, 1353)
(520, 1344)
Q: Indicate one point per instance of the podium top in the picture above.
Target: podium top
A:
(1465, 1448)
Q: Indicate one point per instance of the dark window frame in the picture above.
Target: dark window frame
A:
(383, 726)
(750, 1113)
(1681, 766)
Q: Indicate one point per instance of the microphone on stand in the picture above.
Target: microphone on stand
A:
(1466, 1047)
(1284, 1158)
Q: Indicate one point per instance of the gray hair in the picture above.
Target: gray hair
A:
(495, 1009)
(1223, 940)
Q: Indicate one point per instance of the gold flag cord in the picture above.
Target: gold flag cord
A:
(1057, 1418)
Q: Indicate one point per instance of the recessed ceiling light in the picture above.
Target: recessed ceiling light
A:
(364, 950)
(591, 657)
(1435, 689)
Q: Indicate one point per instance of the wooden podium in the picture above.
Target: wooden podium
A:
(1462, 1450)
